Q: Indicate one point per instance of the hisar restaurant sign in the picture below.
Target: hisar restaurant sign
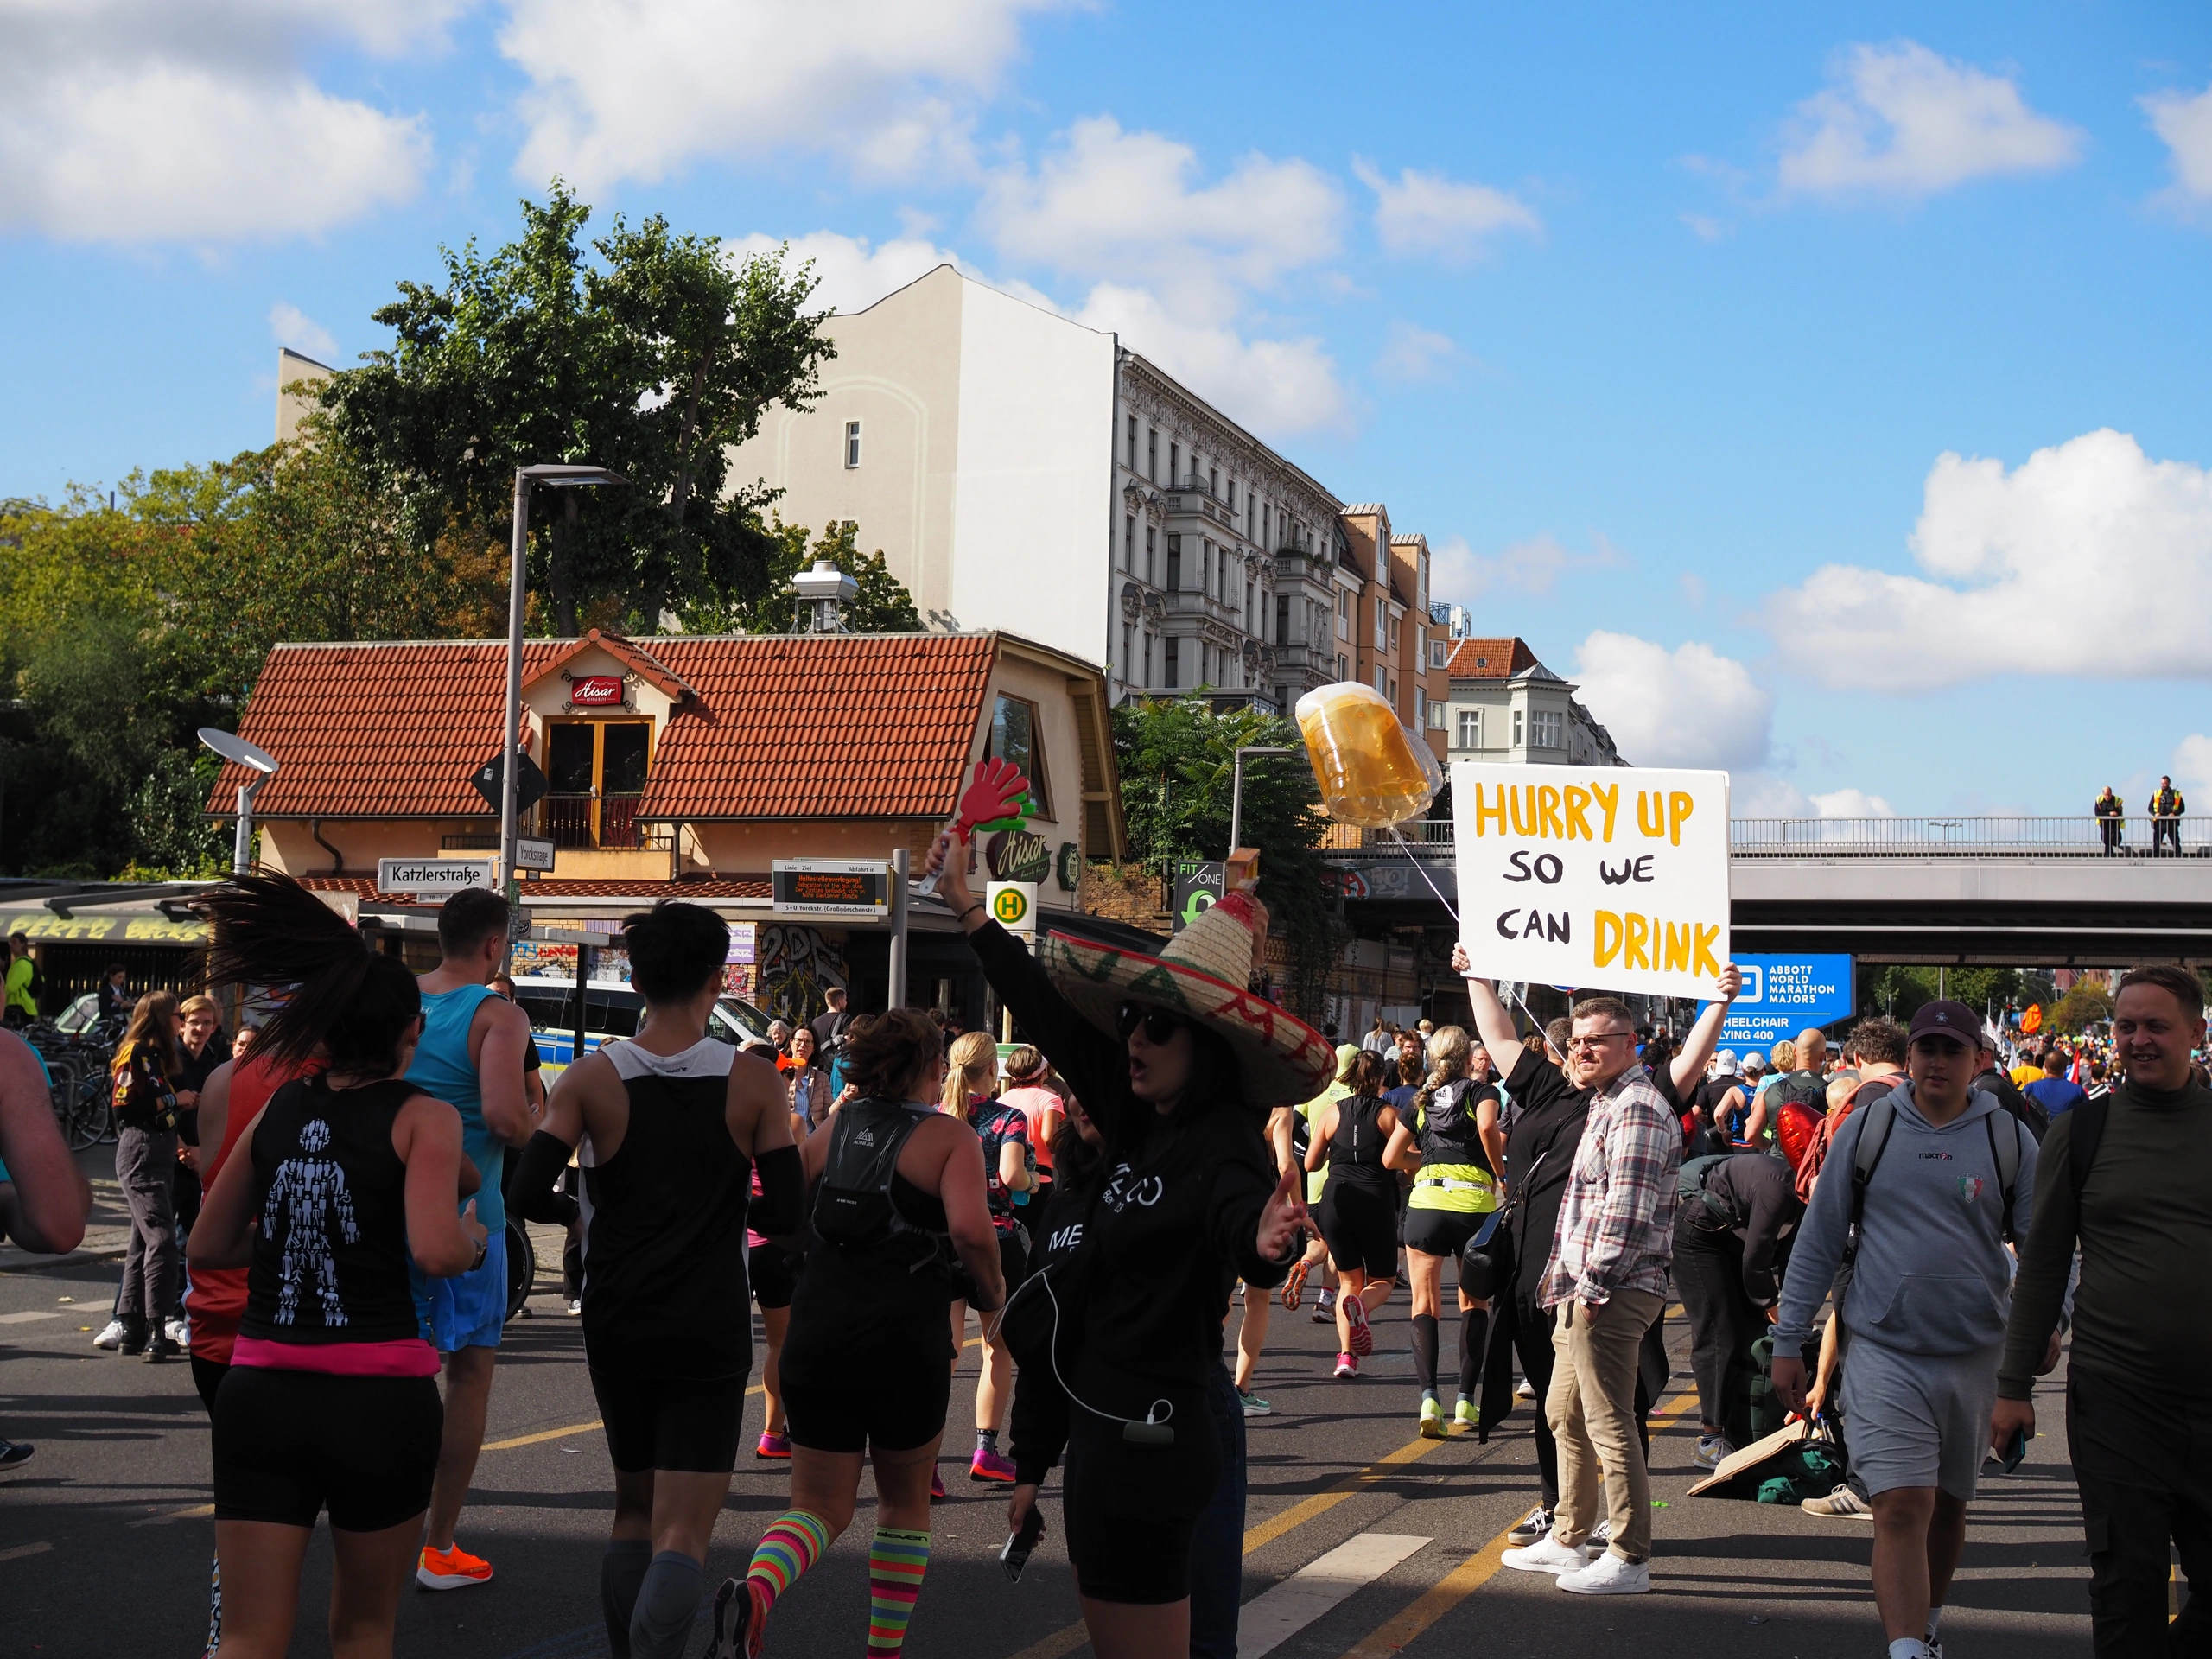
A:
(595, 691)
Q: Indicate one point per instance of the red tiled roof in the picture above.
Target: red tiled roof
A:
(1501, 659)
(787, 726)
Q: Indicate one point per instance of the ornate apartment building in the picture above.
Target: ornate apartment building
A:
(1023, 473)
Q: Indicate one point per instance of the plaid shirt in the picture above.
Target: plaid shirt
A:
(1617, 1222)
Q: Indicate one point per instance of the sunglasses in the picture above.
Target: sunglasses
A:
(1159, 1025)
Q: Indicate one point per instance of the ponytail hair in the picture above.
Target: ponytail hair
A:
(1367, 1075)
(1452, 1053)
(350, 1001)
(971, 1068)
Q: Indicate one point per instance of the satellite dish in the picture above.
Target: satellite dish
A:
(233, 747)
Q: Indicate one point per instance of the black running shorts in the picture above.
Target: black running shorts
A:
(658, 1423)
(848, 1398)
(1361, 1225)
(1130, 1508)
(1440, 1232)
(290, 1443)
(774, 1273)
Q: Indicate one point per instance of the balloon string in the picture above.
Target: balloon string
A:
(1423, 872)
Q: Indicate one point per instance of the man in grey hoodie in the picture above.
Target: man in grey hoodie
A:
(1947, 1180)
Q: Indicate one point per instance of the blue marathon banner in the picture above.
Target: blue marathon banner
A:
(1783, 995)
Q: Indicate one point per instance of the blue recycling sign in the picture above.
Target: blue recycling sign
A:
(1783, 994)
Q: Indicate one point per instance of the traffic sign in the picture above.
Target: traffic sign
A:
(1784, 994)
(436, 878)
(531, 783)
(533, 855)
(1013, 905)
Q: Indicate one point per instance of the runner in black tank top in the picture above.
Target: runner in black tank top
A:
(668, 1126)
(1359, 1204)
(866, 1362)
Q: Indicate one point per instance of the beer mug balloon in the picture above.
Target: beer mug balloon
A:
(1372, 771)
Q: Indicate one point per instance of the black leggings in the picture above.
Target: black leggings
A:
(1724, 1320)
(1130, 1508)
(289, 1444)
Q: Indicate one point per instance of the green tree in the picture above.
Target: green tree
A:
(1177, 761)
(2084, 1004)
(880, 605)
(652, 359)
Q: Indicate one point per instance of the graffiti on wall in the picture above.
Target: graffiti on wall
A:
(796, 970)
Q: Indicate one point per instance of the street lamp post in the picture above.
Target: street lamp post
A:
(1236, 789)
(560, 477)
(255, 759)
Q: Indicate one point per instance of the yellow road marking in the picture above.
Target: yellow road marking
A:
(191, 1513)
(1321, 1502)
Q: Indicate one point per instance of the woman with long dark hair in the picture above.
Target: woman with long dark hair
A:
(331, 1400)
(1177, 1064)
(143, 1076)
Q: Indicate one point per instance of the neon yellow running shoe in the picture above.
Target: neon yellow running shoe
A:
(1463, 1420)
(1432, 1419)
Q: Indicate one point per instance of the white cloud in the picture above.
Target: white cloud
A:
(1533, 567)
(1427, 213)
(1852, 804)
(2087, 546)
(1905, 121)
(1706, 228)
(1762, 795)
(1688, 707)
(1274, 386)
(2184, 121)
(635, 89)
(2192, 764)
(1120, 207)
(289, 325)
(136, 120)
(853, 275)
(1410, 352)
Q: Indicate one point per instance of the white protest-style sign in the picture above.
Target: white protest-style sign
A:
(1611, 878)
(436, 878)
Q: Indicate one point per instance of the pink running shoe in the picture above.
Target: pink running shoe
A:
(937, 1485)
(773, 1446)
(991, 1466)
(1363, 1335)
(1347, 1366)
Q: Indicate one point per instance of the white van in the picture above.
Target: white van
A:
(611, 1009)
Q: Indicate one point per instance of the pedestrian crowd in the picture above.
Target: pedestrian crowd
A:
(1878, 1243)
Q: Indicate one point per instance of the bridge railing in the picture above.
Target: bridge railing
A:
(1926, 837)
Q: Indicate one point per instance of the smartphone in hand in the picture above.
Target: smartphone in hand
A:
(1015, 1555)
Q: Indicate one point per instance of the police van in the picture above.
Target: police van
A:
(611, 1009)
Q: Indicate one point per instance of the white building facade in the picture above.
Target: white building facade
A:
(1505, 706)
(1025, 473)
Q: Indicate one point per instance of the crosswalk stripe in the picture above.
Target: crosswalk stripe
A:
(1271, 1618)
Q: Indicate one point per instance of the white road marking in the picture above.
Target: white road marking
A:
(1271, 1618)
(25, 1319)
(22, 1550)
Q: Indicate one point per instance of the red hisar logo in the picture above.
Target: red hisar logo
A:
(592, 691)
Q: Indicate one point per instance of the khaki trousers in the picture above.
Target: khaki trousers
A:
(1591, 1410)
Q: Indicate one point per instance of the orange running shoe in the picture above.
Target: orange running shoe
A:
(450, 1569)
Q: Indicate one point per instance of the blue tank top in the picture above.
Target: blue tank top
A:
(441, 1067)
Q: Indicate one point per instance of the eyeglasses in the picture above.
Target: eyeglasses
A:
(1159, 1025)
(1595, 1040)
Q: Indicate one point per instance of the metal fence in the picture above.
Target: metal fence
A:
(1960, 837)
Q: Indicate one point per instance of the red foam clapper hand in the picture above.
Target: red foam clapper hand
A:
(998, 791)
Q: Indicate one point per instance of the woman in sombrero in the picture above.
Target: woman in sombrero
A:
(1177, 1064)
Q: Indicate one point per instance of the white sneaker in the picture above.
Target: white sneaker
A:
(112, 1337)
(1841, 1505)
(1609, 1575)
(1546, 1555)
(1712, 1451)
(1524, 1390)
(1601, 1535)
(179, 1332)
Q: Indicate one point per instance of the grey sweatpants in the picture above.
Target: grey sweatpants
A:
(144, 1161)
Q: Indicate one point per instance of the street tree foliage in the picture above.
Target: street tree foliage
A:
(649, 352)
(2085, 1004)
(1177, 759)
(880, 605)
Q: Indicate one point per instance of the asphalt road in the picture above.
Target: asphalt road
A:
(104, 1544)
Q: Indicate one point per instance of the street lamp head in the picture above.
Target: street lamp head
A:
(231, 746)
(562, 476)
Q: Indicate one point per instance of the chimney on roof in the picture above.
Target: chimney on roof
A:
(827, 589)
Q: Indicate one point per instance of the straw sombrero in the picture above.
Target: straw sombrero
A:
(1201, 976)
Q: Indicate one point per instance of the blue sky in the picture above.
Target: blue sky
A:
(1824, 386)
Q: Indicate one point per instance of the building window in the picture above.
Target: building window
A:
(1394, 634)
(1516, 728)
(1171, 673)
(1213, 477)
(1382, 624)
(1206, 567)
(1343, 616)
(1549, 729)
(1152, 454)
(1420, 707)
(1247, 607)
(1148, 659)
(1151, 536)
(1282, 618)
(1382, 679)
(1343, 668)
(1128, 648)
(1017, 735)
(1129, 543)
(1437, 713)
(1174, 568)
(1174, 465)
(1471, 728)
(1440, 653)
(1133, 443)
(1266, 524)
(852, 443)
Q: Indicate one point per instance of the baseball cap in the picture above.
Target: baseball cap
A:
(1755, 1061)
(1725, 1062)
(1946, 1018)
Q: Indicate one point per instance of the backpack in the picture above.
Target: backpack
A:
(37, 986)
(1802, 1088)
(1689, 1183)
(852, 1207)
(1822, 1134)
(1874, 1139)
